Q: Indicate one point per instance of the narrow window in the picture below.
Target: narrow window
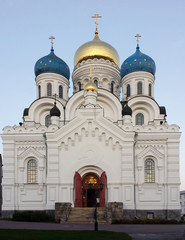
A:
(128, 90)
(139, 88)
(150, 90)
(48, 120)
(112, 87)
(60, 91)
(149, 171)
(32, 171)
(150, 215)
(96, 83)
(79, 86)
(139, 119)
(39, 91)
(49, 89)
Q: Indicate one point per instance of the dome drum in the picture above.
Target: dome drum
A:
(130, 84)
(104, 73)
(57, 81)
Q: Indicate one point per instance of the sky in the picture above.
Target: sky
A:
(26, 25)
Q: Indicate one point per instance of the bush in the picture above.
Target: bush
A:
(146, 221)
(31, 216)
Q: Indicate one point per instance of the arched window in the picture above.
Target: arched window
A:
(150, 90)
(96, 83)
(60, 90)
(79, 86)
(139, 88)
(128, 90)
(39, 91)
(139, 119)
(49, 89)
(149, 171)
(47, 120)
(112, 87)
(32, 171)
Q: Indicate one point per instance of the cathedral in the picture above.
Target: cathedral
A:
(108, 143)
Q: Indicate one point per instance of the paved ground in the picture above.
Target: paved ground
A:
(138, 232)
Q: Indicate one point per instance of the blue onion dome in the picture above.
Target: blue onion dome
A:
(52, 64)
(126, 110)
(138, 62)
(55, 112)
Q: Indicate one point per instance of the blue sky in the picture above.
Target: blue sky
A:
(26, 25)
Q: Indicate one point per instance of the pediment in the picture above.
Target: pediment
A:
(150, 151)
(85, 127)
(30, 152)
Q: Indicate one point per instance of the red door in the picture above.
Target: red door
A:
(90, 193)
(103, 179)
(78, 190)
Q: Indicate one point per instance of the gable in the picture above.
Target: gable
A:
(150, 151)
(90, 124)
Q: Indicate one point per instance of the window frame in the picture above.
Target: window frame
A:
(96, 82)
(139, 88)
(47, 120)
(39, 91)
(149, 170)
(128, 90)
(79, 86)
(60, 91)
(32, 171)
(49, 89)
(112, 87)
(150, 89)
(139, 122)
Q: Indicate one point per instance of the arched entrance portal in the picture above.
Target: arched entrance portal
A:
(90, 190)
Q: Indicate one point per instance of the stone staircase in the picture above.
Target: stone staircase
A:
(86, 215)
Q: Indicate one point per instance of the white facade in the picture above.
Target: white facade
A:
(92, 136)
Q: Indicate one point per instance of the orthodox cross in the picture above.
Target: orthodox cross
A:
(126, 97)
(138, 36)
(96, 15)
(52, 41)
(55, 95)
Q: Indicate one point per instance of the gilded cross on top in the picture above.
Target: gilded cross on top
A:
(52, 41)
(96, 15)
(138, 36)
(55, 95)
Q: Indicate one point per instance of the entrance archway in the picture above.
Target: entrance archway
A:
(90, 190)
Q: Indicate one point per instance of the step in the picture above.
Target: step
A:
(86, 215)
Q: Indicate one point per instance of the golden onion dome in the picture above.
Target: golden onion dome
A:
(96, 49)
(90, 86)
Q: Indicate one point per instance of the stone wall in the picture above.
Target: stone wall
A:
(7, 214)
(156, 214)
(62, 211)
(114, 211)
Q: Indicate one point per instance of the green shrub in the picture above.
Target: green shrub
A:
(31, 216)
(146, 221)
